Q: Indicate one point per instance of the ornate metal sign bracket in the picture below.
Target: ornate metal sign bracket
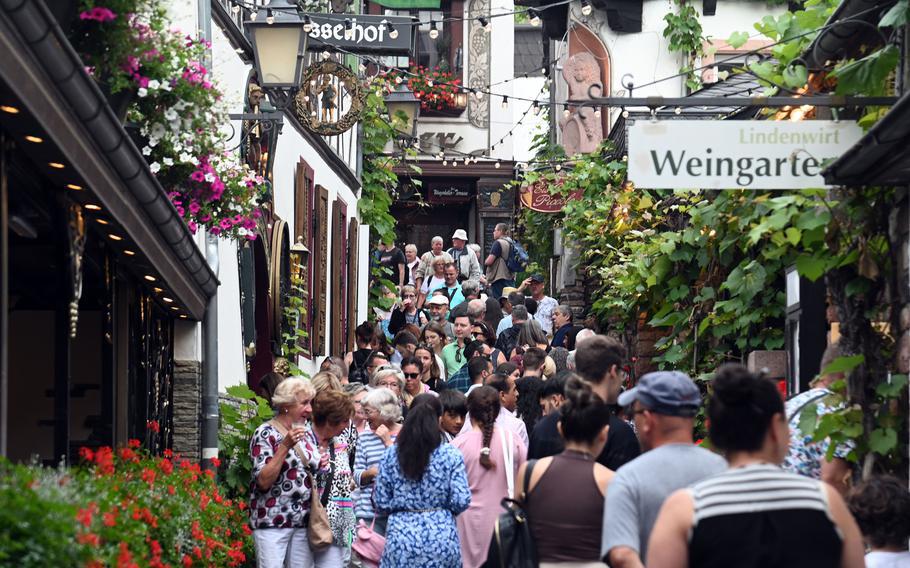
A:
(331, 99)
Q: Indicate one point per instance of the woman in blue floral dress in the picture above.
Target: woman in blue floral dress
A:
(422, 485)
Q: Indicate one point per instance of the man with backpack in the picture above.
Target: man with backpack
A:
(505, 259)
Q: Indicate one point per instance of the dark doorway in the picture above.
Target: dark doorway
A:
(419, 224)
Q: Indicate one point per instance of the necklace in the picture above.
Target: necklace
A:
(583, 453)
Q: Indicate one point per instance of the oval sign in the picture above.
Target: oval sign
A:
(537, 197)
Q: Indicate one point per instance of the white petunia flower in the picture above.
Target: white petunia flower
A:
(142, 92)
(168, 161)
(171, 114)
(153, 142)
(166, 86)
(155, 167)
(154, 84)
(210, 177)
(158, 130)
(147, 151)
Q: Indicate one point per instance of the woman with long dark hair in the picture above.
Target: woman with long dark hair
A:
(432, 374)
(422, 486)
(570, 536)
(492, 456)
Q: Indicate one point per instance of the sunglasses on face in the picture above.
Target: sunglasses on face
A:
(411, 375)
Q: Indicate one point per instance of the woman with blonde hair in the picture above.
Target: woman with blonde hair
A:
(281, 453)
(325, 380)
(435, 280)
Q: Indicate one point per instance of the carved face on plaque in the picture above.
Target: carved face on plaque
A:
(330, 100)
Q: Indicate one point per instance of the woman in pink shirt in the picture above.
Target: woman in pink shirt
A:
(492, 457)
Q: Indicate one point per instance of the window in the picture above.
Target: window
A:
(445, 51)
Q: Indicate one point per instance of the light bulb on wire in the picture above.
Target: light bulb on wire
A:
(534, 17)
(484, 23)
(254, 15)
(434, 32)
(565, 111)
(586, 7)
(269, 17)
(307, 24)
(235, 8)
(505, 102)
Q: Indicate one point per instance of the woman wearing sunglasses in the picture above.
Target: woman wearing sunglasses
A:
(412, 368)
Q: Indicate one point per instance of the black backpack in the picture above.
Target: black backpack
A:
(359, 374)
(512, 545)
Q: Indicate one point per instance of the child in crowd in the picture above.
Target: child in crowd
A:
(454, 409)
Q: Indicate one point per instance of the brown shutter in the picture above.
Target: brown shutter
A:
(353, 245)
(303, 228)
(339, 276)
(321, 256)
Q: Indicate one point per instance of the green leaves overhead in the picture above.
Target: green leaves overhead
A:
(898, 15)
(867, 75)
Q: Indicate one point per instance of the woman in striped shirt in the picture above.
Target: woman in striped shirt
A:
(754, 514)
(383, 412)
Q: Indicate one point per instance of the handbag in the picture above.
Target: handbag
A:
(512, 545)
(319, 531)
(369, 544)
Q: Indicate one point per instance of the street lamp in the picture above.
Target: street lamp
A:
(403, 99)
(279, 45)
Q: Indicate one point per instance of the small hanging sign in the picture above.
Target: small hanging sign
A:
(537, 196)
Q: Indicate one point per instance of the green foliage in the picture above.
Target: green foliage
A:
(535, 229)
(234, 435)
(898, 15)
(684, 32)
(291, 332)
(379, 184)
(845, 425)
(704, 266)
(867, 76)
(120, 507)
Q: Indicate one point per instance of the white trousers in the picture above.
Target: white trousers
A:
(329, 557)
(277, 548)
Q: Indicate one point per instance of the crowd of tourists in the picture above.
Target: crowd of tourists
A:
(402, 451)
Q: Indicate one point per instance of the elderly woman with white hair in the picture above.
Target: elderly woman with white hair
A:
(279, 496)
(383, 413)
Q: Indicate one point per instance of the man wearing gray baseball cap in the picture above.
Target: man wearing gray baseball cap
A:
(664, 405)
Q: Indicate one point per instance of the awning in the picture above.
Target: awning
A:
(881, 157)
(44, 72)
(409, 4)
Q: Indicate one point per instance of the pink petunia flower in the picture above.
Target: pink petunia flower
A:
(98, 14)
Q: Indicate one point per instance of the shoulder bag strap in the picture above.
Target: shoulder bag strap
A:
(527, 486)
(508, 459)
(328, 485)
(807, 403)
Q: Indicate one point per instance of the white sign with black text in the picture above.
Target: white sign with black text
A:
(752, 154)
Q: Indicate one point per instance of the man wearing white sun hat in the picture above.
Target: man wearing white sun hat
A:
(464, 258)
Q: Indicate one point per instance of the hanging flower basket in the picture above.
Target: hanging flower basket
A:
(177, 115)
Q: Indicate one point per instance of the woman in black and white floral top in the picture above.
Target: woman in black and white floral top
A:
(279, 489)
(332, 412)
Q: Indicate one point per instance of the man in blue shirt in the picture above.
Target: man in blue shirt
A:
(453, 287)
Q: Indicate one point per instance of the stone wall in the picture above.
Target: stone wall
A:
(188, 409)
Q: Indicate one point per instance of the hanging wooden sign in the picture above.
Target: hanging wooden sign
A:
(538, 197)
(330, 100)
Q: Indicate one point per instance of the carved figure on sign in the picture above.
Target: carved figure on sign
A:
(329, 95)
(582, 131)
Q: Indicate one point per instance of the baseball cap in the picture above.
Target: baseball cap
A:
(665, 392)
(537, 278)
(438, 300)
(460, 234)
